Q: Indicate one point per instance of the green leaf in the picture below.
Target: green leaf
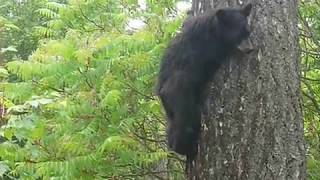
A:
(12, 26)
(37, 102)
(10, 48)
(112, 98)
(18, 109)
(8, 133)
(38, 132)
(3, 73)
(3, 168)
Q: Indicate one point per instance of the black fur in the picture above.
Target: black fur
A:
(188, 64)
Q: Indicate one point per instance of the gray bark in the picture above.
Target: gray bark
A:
(252, 124)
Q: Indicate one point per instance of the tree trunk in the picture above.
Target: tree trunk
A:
(252, 124)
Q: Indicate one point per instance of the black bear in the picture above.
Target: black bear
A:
(188, 64)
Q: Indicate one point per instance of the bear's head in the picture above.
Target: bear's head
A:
(232, 25)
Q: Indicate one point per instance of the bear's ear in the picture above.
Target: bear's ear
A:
(220, 14)
(247, 9)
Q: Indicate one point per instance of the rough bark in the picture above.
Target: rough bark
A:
(252, 124)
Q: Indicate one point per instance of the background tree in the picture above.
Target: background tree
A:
(252, 127)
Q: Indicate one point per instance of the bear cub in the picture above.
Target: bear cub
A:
(188, 64)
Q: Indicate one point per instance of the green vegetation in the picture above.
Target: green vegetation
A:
(82, 104)
(310, 76)
(77, 88)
